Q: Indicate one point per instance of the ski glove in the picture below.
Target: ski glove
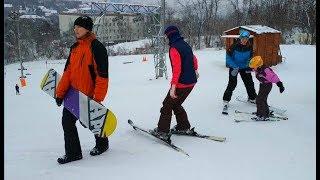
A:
(280, 85)
(59, 101)
(234, 71)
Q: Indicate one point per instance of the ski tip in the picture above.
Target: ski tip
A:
(129, 121)
(219, 139)
(183, 152)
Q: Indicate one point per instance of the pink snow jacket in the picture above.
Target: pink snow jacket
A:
(266, 75)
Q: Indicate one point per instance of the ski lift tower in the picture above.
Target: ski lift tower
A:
(159, 55)
(155, 13)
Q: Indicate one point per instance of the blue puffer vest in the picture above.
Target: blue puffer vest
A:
(187, 75)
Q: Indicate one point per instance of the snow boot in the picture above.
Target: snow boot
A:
(98, 150)
(66, 159)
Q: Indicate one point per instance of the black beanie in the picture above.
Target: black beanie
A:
(85, 22)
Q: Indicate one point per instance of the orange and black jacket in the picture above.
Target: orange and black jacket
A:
(86, 69)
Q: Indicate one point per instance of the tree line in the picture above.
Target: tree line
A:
(199, 20)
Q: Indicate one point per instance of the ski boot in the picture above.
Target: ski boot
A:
(225, 107)
(175, 130)
(162, 135)
(253, 101)
(260, 118)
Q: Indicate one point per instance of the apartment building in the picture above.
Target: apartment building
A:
(111, 28)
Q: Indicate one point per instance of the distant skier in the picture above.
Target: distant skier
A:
(17, 89)
(184, 77)
(266, 76)
(237, 59)
(86, 70)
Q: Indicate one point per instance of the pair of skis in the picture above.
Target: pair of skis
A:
(252, 117)
(168, 141)
(271, 108)
(272, 117)
(279, 111)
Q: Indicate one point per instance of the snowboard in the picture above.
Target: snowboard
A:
(93, 115)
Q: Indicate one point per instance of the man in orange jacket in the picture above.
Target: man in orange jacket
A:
(86, 70)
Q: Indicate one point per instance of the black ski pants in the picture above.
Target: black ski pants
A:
(71, 137)
(261, 101)
(247, 80)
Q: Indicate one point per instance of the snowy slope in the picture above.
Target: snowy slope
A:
(130, 46)
(253, 151)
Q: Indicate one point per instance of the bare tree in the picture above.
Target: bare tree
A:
(211, 19)
(237, 12)
(170, 13)
(307, 19)
(201, 18)
(187, 24)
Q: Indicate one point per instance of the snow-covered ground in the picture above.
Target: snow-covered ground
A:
(253, 151)
(131, 46)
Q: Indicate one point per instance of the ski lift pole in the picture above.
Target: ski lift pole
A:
(16, 18)
(161, 40)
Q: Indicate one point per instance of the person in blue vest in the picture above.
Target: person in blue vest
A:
(237, 59)
(184, 77)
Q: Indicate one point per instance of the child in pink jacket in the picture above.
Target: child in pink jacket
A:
(266, 76)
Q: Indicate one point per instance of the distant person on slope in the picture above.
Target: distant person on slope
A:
(17, 89)
(266, 76)
(238, 57)
(184, 76)
(86, 70)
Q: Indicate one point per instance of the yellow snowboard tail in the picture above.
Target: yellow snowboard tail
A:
(110, 124)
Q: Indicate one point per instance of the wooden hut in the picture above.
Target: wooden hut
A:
(265, 42)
